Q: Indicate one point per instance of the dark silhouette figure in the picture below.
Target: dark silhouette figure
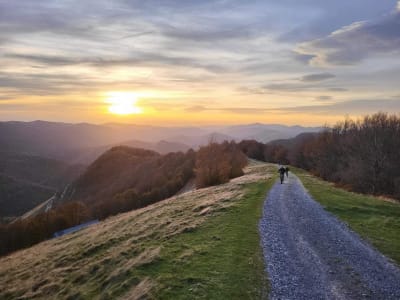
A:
(287, 171)
(282, 172)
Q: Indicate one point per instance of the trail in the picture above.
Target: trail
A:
(312, 255)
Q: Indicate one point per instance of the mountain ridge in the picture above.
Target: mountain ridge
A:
(61, 140)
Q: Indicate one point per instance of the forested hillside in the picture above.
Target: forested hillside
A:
(361, 155)
(27, 180)
(123, 179)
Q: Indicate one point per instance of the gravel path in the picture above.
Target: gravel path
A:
(312, 255)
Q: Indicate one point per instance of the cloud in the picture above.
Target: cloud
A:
(193, 49)
(137, 58)
(44, 84)
(302, 86)
(5, 98)
(304, 83)
(251, 90)
(196, 109)
(207, 34)
(49, 105)
(245, 110)
(324, 98)
(356, 107)
(353, 43)
(337, 89)
(235, 110)
(45, 59)
(317, 77)
(288, 87)
(324, 17)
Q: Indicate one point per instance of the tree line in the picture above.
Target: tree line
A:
(360, 155)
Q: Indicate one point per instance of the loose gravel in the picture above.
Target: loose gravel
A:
(310, 254)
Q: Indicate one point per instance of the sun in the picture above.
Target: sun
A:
(123, 103)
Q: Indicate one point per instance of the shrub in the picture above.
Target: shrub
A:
(217, 163)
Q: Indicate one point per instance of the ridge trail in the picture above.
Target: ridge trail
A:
(310, 254)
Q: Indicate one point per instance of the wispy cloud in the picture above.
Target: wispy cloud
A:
(317, 77)
(357, 107)
(255, 52)
(324, 98)
(353, 43)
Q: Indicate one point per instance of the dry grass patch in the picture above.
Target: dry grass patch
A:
(141, 291)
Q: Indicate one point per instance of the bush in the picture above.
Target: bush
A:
(217, 163)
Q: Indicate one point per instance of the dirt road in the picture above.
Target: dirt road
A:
(312, 255)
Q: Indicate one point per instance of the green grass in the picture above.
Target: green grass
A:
(222, 259)
(374, 219)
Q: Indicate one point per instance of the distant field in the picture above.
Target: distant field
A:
(376, 220)
(203, 243)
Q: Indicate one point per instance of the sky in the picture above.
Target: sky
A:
(194, 62)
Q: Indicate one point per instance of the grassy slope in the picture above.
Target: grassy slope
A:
(376, 220)
(228, 263)
(203, 243)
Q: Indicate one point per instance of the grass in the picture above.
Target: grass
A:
(203, 243)
(221, 259)
(374, 219)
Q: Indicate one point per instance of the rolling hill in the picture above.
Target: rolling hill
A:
(164, 249)
(124, 168)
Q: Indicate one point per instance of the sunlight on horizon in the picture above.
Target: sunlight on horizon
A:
(123, 103)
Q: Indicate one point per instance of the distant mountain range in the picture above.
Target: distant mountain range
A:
(84, 142)
(38, 158)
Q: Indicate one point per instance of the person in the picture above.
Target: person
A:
(282, 172)
(287, 172)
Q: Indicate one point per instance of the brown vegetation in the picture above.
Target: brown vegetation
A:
(133, 181)
(265, 152)
(27, 232)
(217, 163)
(123, 179)
(362, 155)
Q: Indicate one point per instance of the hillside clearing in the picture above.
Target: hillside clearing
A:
(132, 254)
(374, 219)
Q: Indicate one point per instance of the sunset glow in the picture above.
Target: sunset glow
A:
(123, 103)
(73, 61)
